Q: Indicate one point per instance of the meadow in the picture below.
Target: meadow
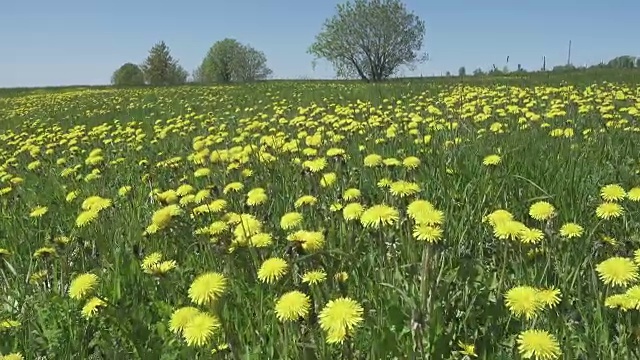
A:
(329, 220)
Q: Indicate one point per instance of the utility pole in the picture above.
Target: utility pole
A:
(569, 56)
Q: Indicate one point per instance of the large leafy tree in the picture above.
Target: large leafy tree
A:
(371, 39)
(160, 68)
(230, 61)
(127, 75)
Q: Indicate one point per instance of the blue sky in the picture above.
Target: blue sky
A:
(70, 42)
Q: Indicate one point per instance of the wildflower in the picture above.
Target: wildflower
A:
(352, 211)
(508, 230)
(379, 215)
(617, 271)
(341, 276)
(328, 179)
(612, 192)
(417, 207)
(539, 344)
(202, 172)
(9, 324)
(609, 210)
(82, 285)
(233, 187)
(411, 162)
(373, 160)
(314, 277)
(38, 211)
(523, 301)
(467, 349)
(290, 220)
(498, 216)
(542, 210)
(549, 297)
(272, 269)
(634, 194)
(292, 306)
(427, 233)
(305, 200)
(351, 194)
(491, 160)
(91, 307)
(403, 188)
(207, 287)
(123, 191)
(531, 236)
(256, 196)
(571, 230)
(72, 195)
(340, 317)
(261, 240)
(199, 330)
(96, 203)
(44, 252)
(181, 317)
(86, 217)
(12, 356)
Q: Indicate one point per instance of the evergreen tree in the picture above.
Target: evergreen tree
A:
(160, 68)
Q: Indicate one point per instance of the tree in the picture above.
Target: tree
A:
(160, 68)
(230, 61)
(462, 71)
(370, 39)
(622, 62)
(127, 75)
(478, 72)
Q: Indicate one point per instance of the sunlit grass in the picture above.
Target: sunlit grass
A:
(321, 220)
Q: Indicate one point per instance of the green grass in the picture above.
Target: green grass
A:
(419, 299)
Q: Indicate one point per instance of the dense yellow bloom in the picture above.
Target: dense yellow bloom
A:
(207, 287)
(617, 271)
(538, 344)
(82, 285)
(272, 269)
(200, 328)
(379, 215)
(612, 192)
(571, 230)
(542, 210)
(609, 210)
(292, 306)
(92, 306)
(339, 318)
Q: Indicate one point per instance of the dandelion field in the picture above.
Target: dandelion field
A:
(321, 221)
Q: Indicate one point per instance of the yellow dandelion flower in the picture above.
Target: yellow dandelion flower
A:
(352, 211)
(612, 192)
(351, 194)
(92, 306)
(272, 270)
(523, 301)
(634, 194)
(86, 217)
(403, 188)
(379, 215)
(427, 233)
(571, 230)
(609, 210)
(491, 160)
(542, 211)
(617, 271)
(207, 287)
(314, 277)
(538, 344)
(305, 200)
(339, 318)
(292, 306)
(199, 330)
(290, 220)
(82, 285)
(181, 317)
(38, 211)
